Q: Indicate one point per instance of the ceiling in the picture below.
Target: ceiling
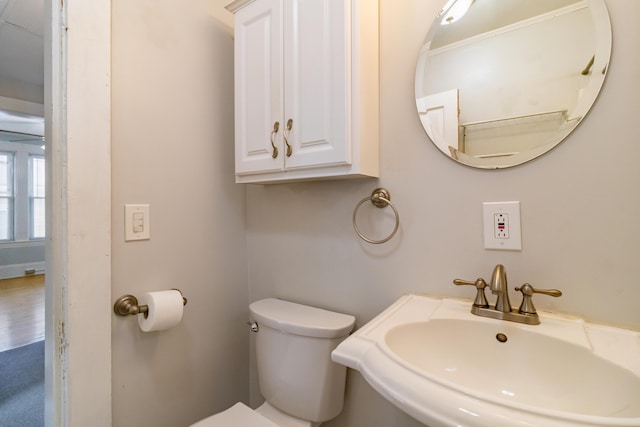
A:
(21, 51)
(22, 41)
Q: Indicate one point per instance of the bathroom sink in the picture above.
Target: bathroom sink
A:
(446, 367)
(527, 368)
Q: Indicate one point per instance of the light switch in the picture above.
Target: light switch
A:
(136, 223)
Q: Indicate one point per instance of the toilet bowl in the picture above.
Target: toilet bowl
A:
(302, 387)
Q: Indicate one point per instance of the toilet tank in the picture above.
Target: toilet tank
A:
(293, 353)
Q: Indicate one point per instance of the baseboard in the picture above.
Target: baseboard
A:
(19, 270)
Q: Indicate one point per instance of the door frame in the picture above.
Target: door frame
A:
(78, 244)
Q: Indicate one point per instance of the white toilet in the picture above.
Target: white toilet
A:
(302, 387)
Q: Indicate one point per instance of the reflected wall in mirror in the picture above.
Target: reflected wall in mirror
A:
(499, 83)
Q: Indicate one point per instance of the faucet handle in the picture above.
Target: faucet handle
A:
(527, 290)
(480, 284)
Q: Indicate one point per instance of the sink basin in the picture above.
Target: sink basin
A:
(527, 368)
(446, 367)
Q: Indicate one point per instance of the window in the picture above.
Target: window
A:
(6, 196)
(36, 197)
(22, 190)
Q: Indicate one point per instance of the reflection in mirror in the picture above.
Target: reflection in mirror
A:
(499, 83)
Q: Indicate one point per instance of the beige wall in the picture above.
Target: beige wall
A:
(580, 209)
(173, 148)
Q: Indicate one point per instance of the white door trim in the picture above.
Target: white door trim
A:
(78, 138)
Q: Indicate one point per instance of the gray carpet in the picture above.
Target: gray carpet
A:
(22, 386)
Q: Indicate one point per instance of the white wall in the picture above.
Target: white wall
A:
(172, 94)
(580, 209)
(21, 91)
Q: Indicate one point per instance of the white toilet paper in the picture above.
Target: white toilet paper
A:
(165, 310)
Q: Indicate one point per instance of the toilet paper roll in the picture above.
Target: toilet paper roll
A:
(165, 310)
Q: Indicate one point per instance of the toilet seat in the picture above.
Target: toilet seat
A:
(239, 415)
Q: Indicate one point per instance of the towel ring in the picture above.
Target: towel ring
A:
(380, 198)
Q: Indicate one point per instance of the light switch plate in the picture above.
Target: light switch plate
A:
(136, 223)
(502, 226)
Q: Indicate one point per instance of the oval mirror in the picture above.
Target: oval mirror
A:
(499, 83)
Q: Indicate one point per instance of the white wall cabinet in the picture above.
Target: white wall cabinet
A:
(306, 89)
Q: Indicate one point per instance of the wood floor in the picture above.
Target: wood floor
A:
(21, 311)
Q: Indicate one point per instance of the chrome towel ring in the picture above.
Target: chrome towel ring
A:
(380, 198)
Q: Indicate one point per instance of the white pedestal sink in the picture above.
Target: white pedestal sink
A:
(446, 367)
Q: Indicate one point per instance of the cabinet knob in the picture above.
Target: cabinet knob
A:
(276, 126)
(285, 133)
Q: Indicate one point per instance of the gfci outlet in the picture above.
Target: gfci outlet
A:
(502, 225)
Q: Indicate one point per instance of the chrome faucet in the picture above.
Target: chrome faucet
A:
(502, 309)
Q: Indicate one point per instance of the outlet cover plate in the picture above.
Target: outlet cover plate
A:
(505, 215)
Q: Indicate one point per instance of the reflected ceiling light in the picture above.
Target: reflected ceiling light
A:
(454, 10)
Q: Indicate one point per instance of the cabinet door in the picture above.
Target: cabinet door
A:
(317, 43)
(258, 86)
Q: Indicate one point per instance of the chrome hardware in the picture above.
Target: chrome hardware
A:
(380, 198)
(480, 284)
(527, 290)
(253, 326)
(276, 126)
(128, 305)
(502, 309)
(287, 130)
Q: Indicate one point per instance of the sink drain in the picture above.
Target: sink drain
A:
(501, 337)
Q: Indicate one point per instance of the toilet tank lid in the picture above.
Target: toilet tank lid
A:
(301, 319)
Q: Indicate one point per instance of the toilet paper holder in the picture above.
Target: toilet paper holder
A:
(128, 305)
